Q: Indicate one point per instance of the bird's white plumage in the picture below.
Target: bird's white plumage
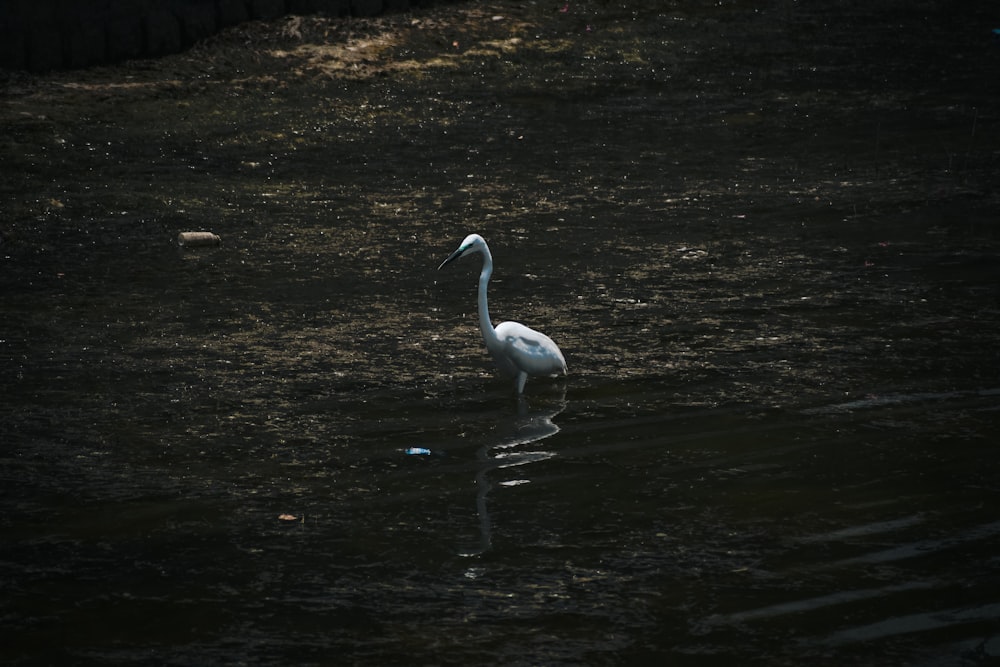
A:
(530, 351)
(517, 350)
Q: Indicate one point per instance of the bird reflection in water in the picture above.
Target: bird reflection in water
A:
(530, 426)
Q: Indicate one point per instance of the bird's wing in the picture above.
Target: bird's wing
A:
(531, 351)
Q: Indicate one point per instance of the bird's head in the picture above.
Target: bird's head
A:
(472, 244)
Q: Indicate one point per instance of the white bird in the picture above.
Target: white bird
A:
(517, 350)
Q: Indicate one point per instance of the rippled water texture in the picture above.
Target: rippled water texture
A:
(764, 235)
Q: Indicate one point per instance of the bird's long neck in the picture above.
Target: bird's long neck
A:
(489, 333)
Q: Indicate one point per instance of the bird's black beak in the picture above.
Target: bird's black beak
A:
(452, 257)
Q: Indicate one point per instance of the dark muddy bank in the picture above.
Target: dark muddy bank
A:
(47, 35)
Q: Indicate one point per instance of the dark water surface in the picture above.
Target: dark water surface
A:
(764, 235)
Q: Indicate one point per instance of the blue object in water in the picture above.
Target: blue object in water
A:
(417, 451)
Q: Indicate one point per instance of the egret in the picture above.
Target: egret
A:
(517, 350)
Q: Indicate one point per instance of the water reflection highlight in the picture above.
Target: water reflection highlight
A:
(508, 451)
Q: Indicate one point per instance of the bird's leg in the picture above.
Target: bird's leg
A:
(522, 377)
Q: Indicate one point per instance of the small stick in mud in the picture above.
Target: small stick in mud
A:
(197, 239)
